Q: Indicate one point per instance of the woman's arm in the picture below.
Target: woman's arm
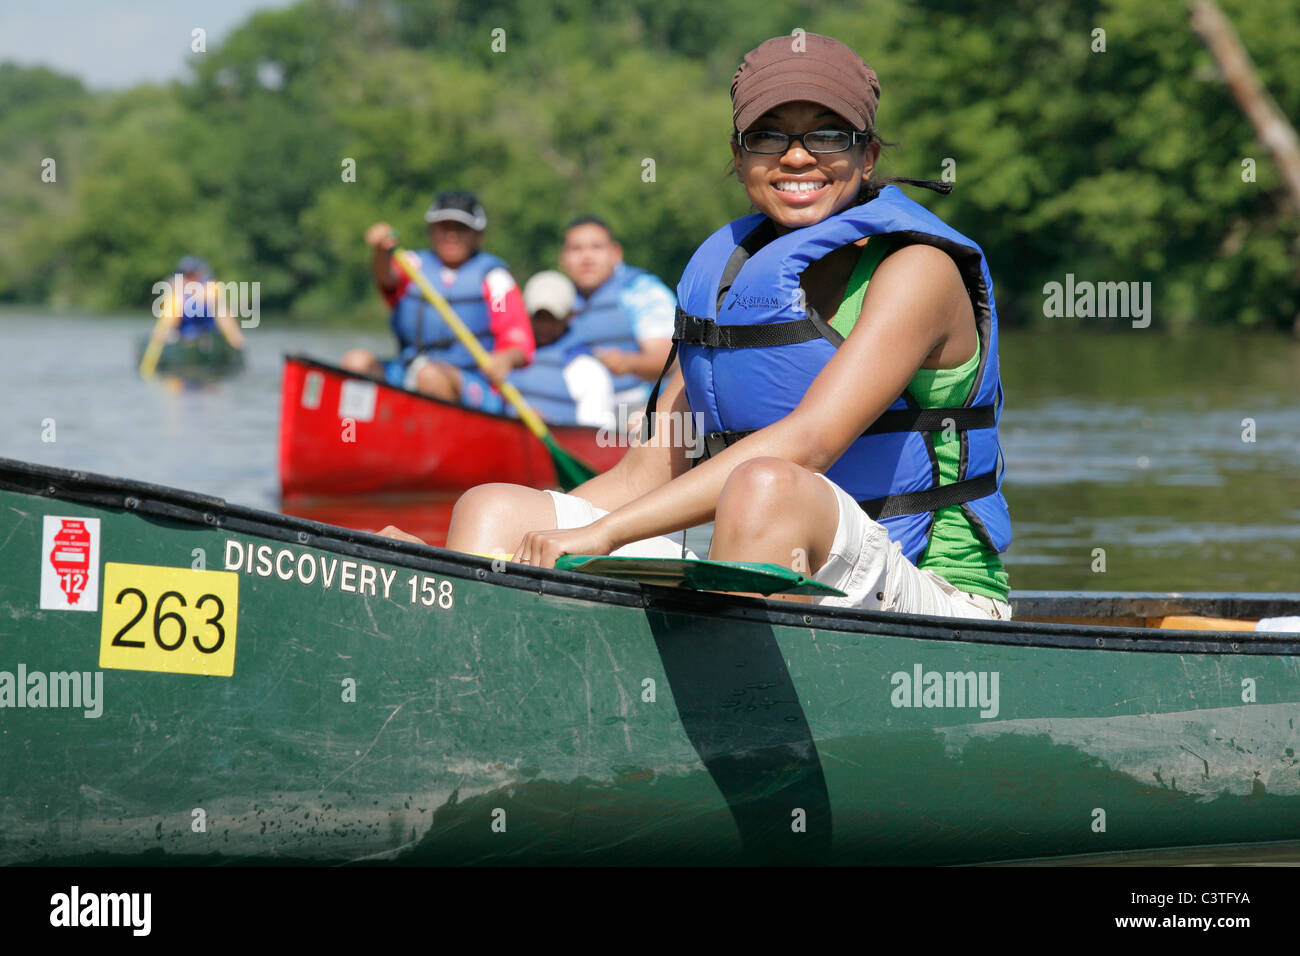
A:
(917, 313)
(916, 299)
(230, 328)
(644, 467)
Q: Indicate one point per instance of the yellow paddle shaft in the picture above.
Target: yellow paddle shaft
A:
(467, 339)
(153, 351)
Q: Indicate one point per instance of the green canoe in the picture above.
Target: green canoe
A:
(183, 680)
(196, 357)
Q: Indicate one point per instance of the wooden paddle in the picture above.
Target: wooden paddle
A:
(157, 339)
(570, 471)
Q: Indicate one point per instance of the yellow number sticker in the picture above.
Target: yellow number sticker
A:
(169, 619)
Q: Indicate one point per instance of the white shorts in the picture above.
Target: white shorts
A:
(864, 563)
(411, 380)
(872, 572)
(574, 512)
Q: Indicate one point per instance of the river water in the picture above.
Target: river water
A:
(1134, 461)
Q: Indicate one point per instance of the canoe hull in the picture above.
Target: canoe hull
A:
(343, 434)
(197, 357)
(438, 709)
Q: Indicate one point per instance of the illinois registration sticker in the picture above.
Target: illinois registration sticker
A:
(70, 564)
(172, 620)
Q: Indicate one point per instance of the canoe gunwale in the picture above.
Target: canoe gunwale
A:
(1146, 604)
(309, 362)
(189, 508)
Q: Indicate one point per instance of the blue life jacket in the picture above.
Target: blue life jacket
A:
(601, 323)
(202, 322)
(542, 382)
(420, 328)
(750, 347)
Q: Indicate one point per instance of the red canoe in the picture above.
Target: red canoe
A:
(345, 434)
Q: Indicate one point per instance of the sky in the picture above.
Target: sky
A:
(112, 44)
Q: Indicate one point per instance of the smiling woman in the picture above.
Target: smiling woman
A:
(840, 346)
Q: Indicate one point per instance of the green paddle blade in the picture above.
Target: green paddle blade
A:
(699, 575)
(569, 471)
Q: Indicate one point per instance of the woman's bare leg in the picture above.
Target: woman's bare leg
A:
(493, 519)
(774, 511)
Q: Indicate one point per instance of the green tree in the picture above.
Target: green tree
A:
(1122, 164)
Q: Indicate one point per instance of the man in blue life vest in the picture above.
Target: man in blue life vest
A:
(565, 383)
(476, 285)
(624, 314)
(194, 306)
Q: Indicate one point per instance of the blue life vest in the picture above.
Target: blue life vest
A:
(420, 328)
(202, 322)
(601, 323)
(542, 382)
(750, 347)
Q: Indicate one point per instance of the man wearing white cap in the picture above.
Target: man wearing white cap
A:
(478, 287)
(565, 383)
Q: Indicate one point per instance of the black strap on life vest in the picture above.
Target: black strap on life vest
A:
(933, 419)
(932, 499)
(758, 237)
(648, 423)
(695, 330)
(901, 420)
(889, 506)
(890, 421)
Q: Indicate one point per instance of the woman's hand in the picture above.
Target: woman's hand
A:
(541, 549)
(392, 531)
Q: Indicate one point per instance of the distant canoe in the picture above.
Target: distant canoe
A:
(345, 434)
(196, 357)
(325, 695)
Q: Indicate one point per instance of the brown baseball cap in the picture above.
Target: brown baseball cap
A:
(804, 66)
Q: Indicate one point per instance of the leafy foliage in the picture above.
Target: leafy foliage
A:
(1122, 165)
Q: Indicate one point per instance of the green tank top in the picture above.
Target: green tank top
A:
(955, 552)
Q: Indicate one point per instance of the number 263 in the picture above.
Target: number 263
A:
(169, 629)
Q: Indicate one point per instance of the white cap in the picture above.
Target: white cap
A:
(552, 291)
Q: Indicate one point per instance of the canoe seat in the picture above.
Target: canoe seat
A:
(1191, 622)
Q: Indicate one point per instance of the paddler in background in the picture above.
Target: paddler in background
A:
(192, 306)
(477, 286)
(565, 384)
(841, 345)
(624, 314)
